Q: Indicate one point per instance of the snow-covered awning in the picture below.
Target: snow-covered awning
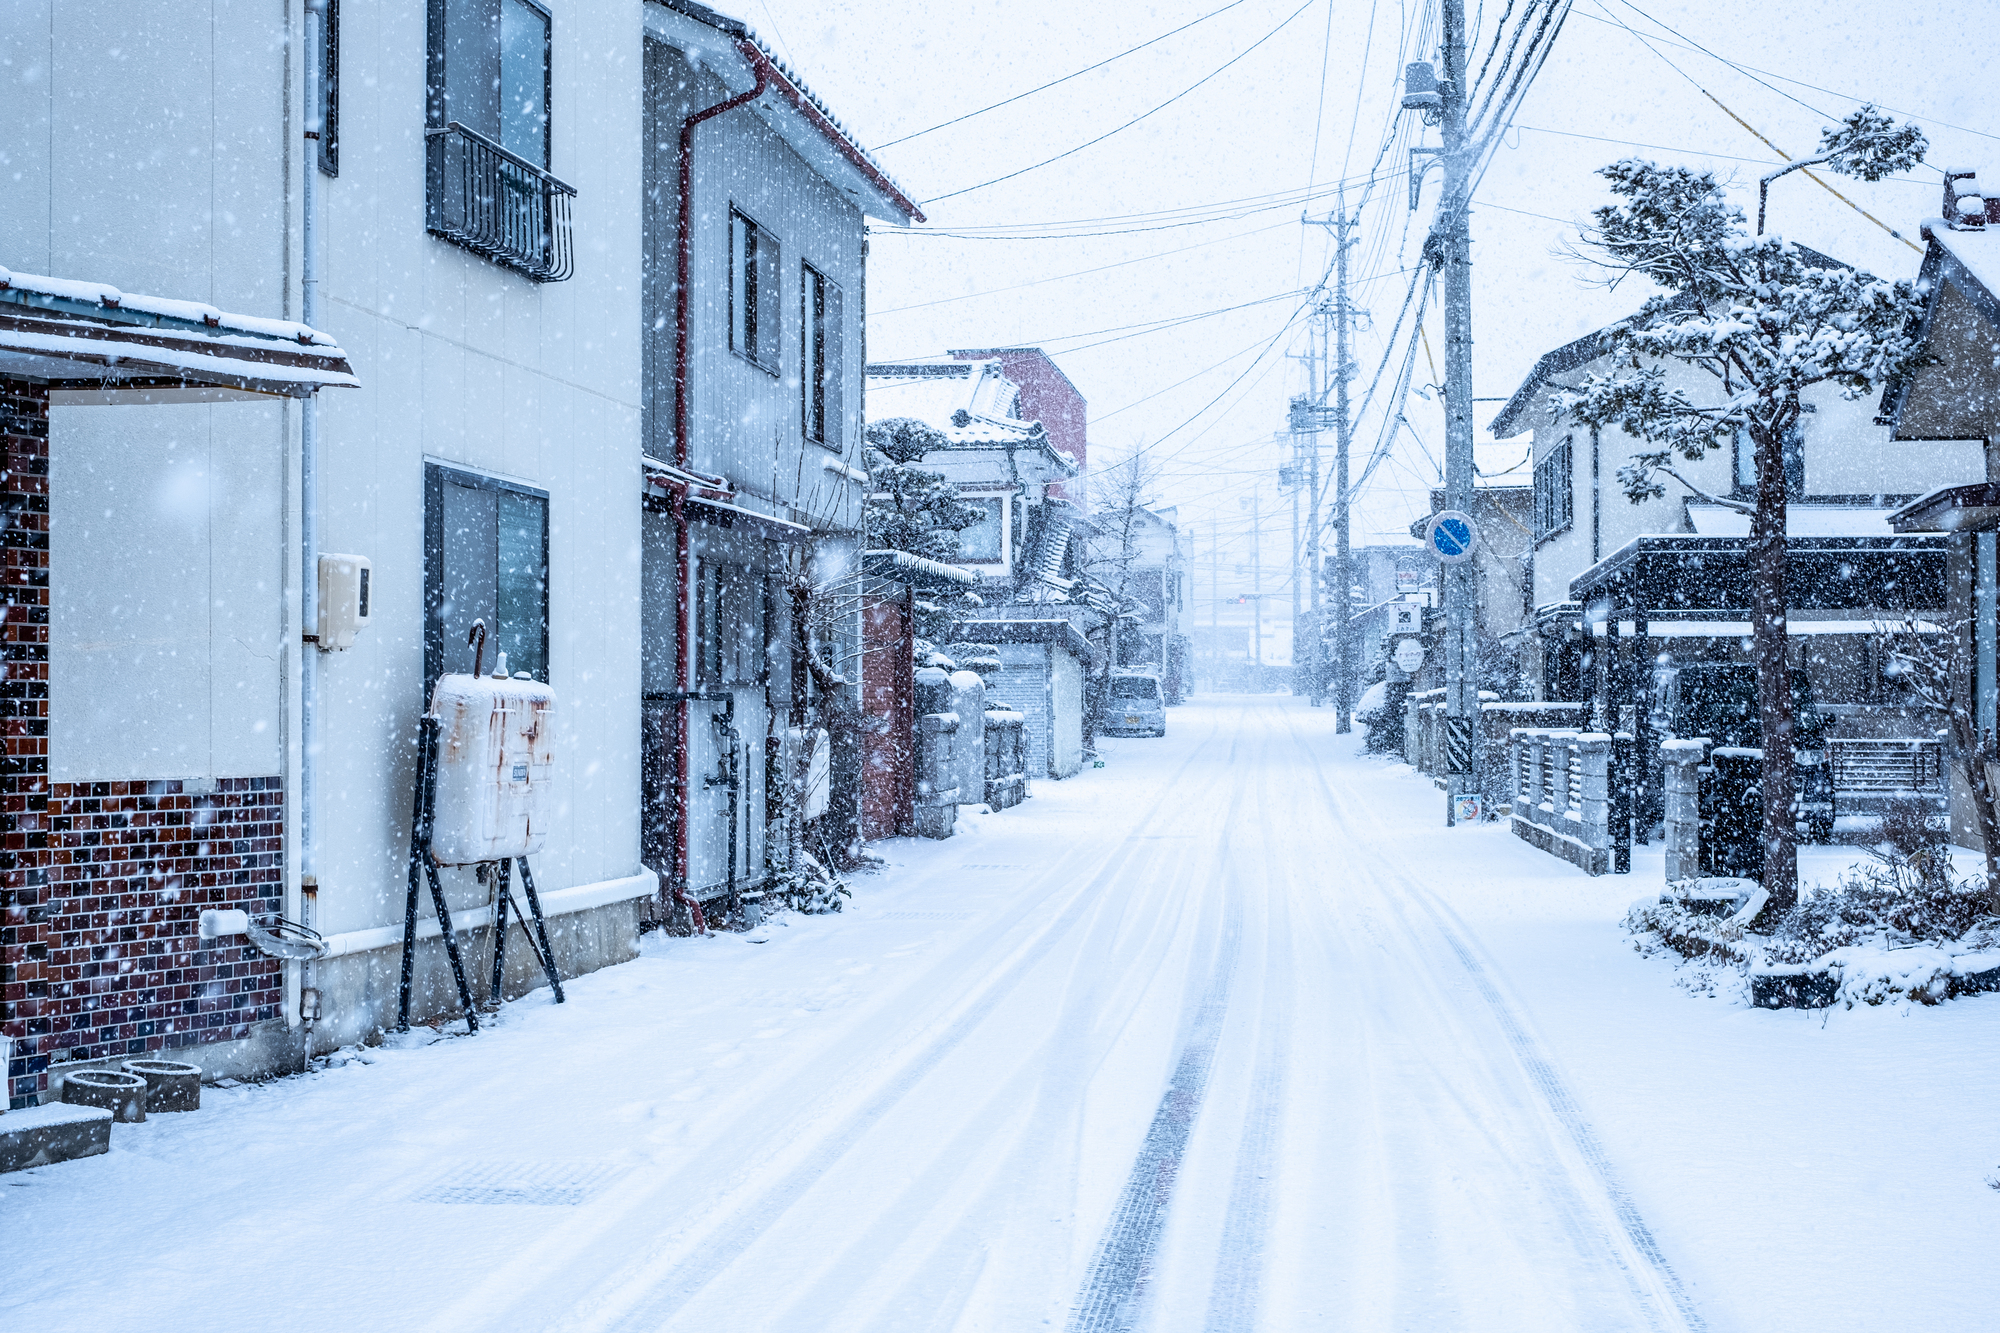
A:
(917, 571)
(1688, 577)
(1974, 507)
(90, 335)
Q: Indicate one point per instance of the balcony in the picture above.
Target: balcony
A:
(497, 204)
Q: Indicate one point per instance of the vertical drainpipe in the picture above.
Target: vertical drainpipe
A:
(1049, 703)
(315, 16)
(1596, 503)
(683, 567)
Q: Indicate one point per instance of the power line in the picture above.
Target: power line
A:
(1197, 375)
(1688, 44)
(1136, 119)
(1064, 79)
(1676, 148)
(1082, 272)
(1290, 199)
(1184, 210)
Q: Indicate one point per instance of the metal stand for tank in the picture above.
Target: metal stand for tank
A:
(421, 863)
(503, 898)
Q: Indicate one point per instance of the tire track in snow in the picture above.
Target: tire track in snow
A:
(1115, 1289)
(1541, 1073)
(1234, 1298)
(1109, 975)
(1566, 1110)
(710, 1257)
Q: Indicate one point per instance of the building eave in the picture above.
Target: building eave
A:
(731, 50)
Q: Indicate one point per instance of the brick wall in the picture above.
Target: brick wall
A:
(102, 884)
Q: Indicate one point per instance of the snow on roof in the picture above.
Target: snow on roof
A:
(102, 295)
(1978, 252)
(798, 114)
(1801, 520)
(933, 390)
(69, 332)
(973, 404)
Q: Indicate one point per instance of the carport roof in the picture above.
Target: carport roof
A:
(1673, 576)
(90, 335)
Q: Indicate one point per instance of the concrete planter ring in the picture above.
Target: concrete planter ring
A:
(124, 1095)
(170, 1084)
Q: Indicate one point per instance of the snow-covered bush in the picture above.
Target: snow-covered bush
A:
(1906, 892)
(809, 886)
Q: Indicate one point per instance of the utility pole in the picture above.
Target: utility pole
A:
(1313, 671)
(1451, 237)
(1214, 607)
(1341, 224)
(1256, 590)
(1343, 316)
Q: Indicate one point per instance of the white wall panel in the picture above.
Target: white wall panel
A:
(164, 611)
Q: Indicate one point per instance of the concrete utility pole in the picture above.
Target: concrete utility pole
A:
(1343, 318)
(1256, 590)
(1451, 237)
(1313, 672)
(1341, 223)
(1214, 607)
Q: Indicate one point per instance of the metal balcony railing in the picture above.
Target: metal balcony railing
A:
(497, 204)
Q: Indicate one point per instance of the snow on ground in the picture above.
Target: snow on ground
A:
(1230, 1034)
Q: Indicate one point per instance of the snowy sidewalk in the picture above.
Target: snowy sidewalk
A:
(1230, 1034)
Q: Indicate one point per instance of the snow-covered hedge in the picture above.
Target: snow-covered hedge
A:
(1897, 927)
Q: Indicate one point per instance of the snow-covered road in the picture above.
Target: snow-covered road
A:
(1215, 1038)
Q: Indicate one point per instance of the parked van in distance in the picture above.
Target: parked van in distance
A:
(1134, 708)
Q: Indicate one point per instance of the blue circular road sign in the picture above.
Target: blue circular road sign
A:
(1451, 536)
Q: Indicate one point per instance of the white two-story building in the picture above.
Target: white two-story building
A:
(588, 283)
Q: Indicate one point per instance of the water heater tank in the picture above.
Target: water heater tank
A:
(495, 765)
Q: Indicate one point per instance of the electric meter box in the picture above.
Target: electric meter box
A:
(344, 595)
(495, 768)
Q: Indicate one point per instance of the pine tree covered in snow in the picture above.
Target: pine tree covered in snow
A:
(1764, 320)
(914, 510)
(910, 509)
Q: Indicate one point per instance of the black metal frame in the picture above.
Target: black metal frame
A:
(421, 865)
(434, 644)
(504, 207)
(751, 279)
(329, 74)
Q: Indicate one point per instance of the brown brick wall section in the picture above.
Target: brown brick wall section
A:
(102, 884)
(24, 724)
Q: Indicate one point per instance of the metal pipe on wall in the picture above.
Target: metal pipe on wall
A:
(314, 27)
(683, 561)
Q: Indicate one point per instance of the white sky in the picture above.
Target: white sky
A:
(892, 69)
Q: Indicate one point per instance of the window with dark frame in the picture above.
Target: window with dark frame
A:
(820, 327)
(753, 291)
(491, 73)
(486, 557)
(327, 55)
(488, 137)
(732, 606)
(1555, 497)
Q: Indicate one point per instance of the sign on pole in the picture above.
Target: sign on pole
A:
(1451, 535)
(1457, 745)
(1409, 656)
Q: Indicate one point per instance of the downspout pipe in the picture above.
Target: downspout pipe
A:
(683, 553)
(315, 20)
